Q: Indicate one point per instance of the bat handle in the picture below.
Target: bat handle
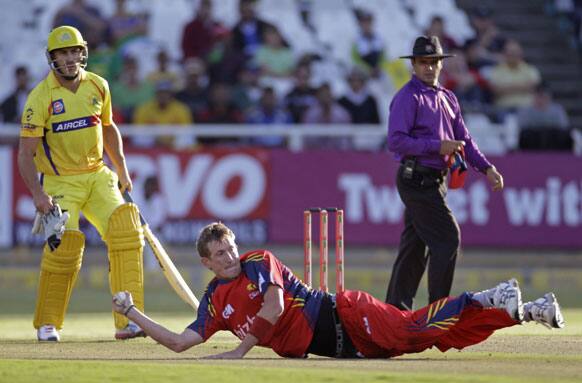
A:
(128, 198)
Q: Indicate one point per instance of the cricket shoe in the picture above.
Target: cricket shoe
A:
(48, 333)
(507, 296)
(545, 310)
(129, 332)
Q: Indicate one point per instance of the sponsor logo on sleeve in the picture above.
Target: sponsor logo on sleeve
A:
(58, 106)
(253, 291)
(28, 114)
(79, 123)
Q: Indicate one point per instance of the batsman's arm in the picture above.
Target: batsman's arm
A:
(114, 148)
(174, 341)
(26, 150)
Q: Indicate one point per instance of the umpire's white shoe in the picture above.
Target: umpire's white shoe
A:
(48, 333)
(507, 296)
(130, 331)
(545, 310)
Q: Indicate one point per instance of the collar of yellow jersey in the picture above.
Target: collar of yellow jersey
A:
(54, 83)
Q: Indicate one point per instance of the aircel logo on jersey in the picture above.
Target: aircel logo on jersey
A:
(79, 123)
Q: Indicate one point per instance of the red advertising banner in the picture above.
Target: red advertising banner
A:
(179, 192)
(262, 195)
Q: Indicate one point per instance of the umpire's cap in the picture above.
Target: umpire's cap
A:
(427, 46)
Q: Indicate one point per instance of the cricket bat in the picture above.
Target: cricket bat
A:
(170, 272)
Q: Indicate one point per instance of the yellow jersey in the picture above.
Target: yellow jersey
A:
(175, 113)
(69, 123)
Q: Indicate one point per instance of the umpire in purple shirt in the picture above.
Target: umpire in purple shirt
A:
(426, 127)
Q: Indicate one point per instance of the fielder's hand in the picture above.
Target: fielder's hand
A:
(123, 302)
(233, 354)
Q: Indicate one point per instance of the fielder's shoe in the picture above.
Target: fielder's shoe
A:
(48, 333)
(545, 310)
(130, 331)
(507, 296)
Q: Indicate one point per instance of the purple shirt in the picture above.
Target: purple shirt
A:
(421, 117)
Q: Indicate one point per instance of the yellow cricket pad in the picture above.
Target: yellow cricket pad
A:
(125, 242)
(58, 273)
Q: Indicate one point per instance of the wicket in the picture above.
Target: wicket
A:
(324, 246)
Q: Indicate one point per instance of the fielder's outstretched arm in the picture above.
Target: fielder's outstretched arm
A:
(173, 341)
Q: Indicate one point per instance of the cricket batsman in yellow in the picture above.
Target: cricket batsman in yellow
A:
(66, 124)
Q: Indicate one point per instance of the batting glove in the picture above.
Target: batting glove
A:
(52, 225)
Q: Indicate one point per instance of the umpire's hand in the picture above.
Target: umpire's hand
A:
(449, 147)
(495, 179)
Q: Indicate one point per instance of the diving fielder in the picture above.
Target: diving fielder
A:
(66, 124)
(258, 299)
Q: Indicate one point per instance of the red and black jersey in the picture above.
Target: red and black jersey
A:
(232, 305)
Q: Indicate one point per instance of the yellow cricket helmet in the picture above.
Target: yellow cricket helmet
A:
(66, 37)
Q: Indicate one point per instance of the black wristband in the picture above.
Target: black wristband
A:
(128, 309)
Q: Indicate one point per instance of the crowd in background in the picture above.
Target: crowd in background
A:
(251, 74)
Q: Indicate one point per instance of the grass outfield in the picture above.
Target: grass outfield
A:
(87, 353)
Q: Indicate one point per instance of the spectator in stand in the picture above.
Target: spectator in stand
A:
(302, 96)
(203, 36)
(368, 53)
(543, 113)
(195, 92)
(544, 125)
(273, 57)
(513, 81)
(13, 105)
(247, 91)
(86, 18)
(437, 28)
(104, 61)
(129, 91)
(487, 33)
(125, 26)
(269, 112)
(477, 56)
(164, 109)
(326, 111)
(248, 33)
(570, 16)
(471, 89)
(358, 101)
(368, 49)
(164, 73)
(220, 110)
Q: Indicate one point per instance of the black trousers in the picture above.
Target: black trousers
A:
(431, 235)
